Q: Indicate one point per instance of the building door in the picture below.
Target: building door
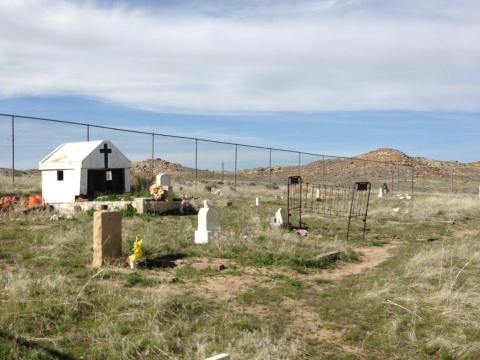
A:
(111, 181)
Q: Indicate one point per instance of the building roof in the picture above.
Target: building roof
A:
(73, 155)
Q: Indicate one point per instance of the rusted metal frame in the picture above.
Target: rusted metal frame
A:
(351, 208)
(300, 206)
(288, 202)
(366, 210)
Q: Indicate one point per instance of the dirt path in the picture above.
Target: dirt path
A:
(372, 256)
(304, 319)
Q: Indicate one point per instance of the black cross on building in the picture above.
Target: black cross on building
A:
(105, 151)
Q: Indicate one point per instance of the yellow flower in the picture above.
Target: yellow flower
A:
(137, 250)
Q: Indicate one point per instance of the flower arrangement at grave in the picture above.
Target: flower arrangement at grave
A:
(186, 207)
(158, 192)
(137, 252)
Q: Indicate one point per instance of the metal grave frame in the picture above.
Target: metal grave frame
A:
(328, 201)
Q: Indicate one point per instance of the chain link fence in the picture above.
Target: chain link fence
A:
(25, 140)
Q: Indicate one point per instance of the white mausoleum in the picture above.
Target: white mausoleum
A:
(84, 169)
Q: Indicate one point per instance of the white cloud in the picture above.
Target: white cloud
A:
(262, 56)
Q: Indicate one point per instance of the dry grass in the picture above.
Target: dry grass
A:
(422, 302)
(24, 184)
(426, 207)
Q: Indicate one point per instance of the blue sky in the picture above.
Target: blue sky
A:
(329, 76)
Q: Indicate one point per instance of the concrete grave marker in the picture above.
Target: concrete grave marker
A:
(208, 224)
(107, 236)
(380, 192)
(281, 217)
(165, 181)
(220, 357)
(258, 201)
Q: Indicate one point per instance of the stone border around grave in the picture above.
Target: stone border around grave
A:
(142, 205)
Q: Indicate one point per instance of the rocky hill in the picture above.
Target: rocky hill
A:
(159, 166)
(382, 164)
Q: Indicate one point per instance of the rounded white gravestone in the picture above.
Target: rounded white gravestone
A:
(163, 180)
(208, 224)
(258, 201)
(281, 217)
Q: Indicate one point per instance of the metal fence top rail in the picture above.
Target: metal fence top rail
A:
(193, 138)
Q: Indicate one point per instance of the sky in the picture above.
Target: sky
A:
(326, 76)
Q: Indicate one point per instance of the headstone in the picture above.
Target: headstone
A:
(220, 357)
(385, 188)
(258, 201)
(317, 194)
(107, 236)
(165, 181)
(380, 192)
(208, 224)
(281, 217)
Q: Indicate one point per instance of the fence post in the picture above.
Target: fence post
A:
(398, 178)
(270, 168)
(153, 155)
(196, 162)
(13, 149)
(236, 158)
(413, 179)
(88, 132)
(323, 169)
(451, 181)
(299, 164)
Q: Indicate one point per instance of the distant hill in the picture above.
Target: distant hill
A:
(382, 164)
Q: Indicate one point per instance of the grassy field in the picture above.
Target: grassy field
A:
(410, 290)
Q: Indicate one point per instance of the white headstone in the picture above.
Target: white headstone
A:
(281, 217)
(258, 201)
(219, 357)
(163, 180)
(317, 194)
(208, 224)
(380, 192)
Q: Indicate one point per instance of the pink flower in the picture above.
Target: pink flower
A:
(302, 232)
